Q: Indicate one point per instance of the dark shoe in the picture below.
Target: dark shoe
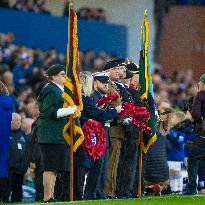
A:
(166, 191)
(78, 197)
(177, 192)
(101, 195)
(126, 195)
(51, 200)
(142, 196)
(190, 192)
(157, 193)
(111, 197)
(149, 191)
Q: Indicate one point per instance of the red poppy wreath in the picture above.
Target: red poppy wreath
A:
(138, 116)
(107, 100)
(94, 143)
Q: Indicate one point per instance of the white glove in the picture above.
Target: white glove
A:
(126, 121)
(63, 112)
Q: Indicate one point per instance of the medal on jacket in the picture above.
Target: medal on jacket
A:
(19, 145)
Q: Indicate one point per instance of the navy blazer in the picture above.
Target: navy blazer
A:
(90, 111)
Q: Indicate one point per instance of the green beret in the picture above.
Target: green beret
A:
(202, 78)
(55, 69)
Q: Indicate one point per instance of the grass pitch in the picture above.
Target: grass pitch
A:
(164, 200)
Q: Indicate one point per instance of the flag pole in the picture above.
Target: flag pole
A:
(71, 157)
(71, 139)
(72, 94)
(139, 194)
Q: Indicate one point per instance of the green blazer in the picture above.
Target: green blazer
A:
(50, 128)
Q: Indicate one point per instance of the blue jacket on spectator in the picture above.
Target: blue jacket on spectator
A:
(6, 107)
(17, 150)
(19, 73)
(177, 140)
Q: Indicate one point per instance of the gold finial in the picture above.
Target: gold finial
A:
(127, 61)
(71, 2)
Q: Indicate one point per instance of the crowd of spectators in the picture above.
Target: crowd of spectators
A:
(176, 89)
(37, 6)
(22, 70)
(89, 13)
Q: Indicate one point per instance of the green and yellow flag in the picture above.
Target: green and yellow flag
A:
(72, 92)
(145, 82)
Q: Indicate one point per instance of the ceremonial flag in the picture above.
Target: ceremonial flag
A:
(145, 82)
(72, 92)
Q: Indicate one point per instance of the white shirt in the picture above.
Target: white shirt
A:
(62, 88)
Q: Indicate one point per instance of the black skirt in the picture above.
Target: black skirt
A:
(55, 157)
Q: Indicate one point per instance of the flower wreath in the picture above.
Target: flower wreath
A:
(94, 143)
(107, 100)
(138, 116)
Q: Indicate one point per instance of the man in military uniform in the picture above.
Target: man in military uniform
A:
(197, 152)
(129, 151)
(117, 130)
(134, 91)
(119, 133)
